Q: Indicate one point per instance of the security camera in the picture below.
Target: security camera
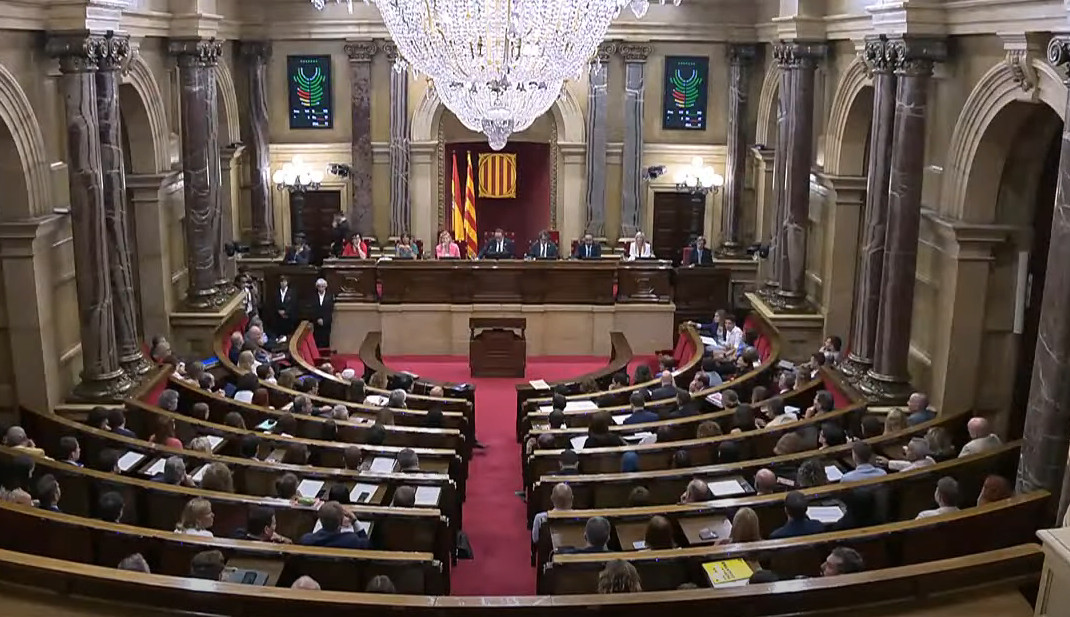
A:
(653, 172)
(339, 169)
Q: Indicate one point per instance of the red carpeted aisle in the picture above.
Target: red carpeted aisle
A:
(494, 516)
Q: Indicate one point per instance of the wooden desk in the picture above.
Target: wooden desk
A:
(563, 535)
(699, 291)
(631, 532)
(497, 347)
(694, 526)
(271, 567)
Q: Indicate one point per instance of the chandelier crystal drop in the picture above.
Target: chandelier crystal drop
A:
(499, 64)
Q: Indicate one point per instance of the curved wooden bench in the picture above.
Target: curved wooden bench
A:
(620, 356)
(92, 541)
(39, 585)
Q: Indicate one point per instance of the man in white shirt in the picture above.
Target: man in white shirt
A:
(917, 456)
(946, 496)
(981, 437)
(561, 499)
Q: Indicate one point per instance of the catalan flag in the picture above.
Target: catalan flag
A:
(497, 175)
(470, 212)
(457, 212)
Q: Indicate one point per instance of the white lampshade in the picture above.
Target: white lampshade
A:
(277, 177)
(681, 177)
(697, 162)
(717, 180)
(317, 176)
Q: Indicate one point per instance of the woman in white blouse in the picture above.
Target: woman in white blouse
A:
(640, 248)
(197, 518)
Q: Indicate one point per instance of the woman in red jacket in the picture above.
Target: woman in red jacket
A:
(356, 247)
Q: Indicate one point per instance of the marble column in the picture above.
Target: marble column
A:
(1047, 420)
(914, 59)
(400, 120)
(597, 141)
(635, 55)
(740, 58)
(879, 56)
(799, 60)
(197, 60)
(255, 55)
(127, 337)
(360, 70)
(780, 164)
(79, 56)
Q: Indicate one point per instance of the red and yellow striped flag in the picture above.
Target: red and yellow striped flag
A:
(457, 218)
(470, 212)
(497, 175)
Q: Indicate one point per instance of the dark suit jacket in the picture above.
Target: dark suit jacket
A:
(336, 539)
(551, 251)
(582, 253)
(662, 392)
(339, 236)
(490, 250)
(323, 311)
(289, 304)
(584, 549)
(295, 256)
(705, 259)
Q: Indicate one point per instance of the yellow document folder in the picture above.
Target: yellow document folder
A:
(728, 571)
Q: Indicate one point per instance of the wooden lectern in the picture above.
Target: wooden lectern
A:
(497, 347)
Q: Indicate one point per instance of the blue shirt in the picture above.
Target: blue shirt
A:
(643, 415)
(920, 417)
(863, 472)
(798, 527)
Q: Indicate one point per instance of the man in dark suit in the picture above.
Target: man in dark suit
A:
(700, 255)
(588, 248)
(543, 248)
(285, 309)
(340, 233)
(499, 247)
(596, 533)
(322, 314)
(666, 389)
(299, 253)
(333, 533)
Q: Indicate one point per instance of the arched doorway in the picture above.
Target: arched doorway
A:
(528, 212)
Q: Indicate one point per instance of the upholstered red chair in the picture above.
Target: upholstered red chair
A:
(419, 249)
(555, 237)
(575, 245)
(686, 256)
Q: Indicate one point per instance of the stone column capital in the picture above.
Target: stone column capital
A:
(85, 51)
(793, 54)
(878, 55)
(196, 52)
(1059, 55)
(361, 51)
(742, 53)
(605, 50)
(915, 56)
(256, 51)
(635, 53)
(389, 48)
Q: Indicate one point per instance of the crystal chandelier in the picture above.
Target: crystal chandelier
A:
(492, 59)
(698, 179)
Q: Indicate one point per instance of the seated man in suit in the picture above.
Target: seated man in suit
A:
(299, 253)
(799, 524)
(700, 255)
(543, 247)
(596, 533)
(498, 247)
(333, 532)
(666, 389)
(588, 248)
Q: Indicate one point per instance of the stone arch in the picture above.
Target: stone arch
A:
(17, 113)
(849, 120)
(229, 127)
(142, 106)
(566, 112)
(972, 176)
(767, 107)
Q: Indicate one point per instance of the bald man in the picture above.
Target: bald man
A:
(765, 482)
(437, 392)
(306, 583)
(918, 409)
(981, 437)
(560, 499)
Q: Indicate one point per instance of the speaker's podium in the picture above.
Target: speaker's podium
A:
(497, 347)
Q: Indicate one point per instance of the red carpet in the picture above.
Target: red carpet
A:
(494, 516)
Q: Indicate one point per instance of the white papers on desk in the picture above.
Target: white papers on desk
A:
(199, 474)
(792, 409)
(572, 406)
(214, 440)
(539, 384)
(726, 488)
(383, 464)
(427, 496)
(825, 514)
(309, 488)
(709, 341)
(641, 435)
(715, 399)
(362, 493)
(130, 459)
(786, 365)
(156, 468)
(833, 473)
(577, 442)
(375, 399)
(267, 425)
(639, 545)
(620, 418)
